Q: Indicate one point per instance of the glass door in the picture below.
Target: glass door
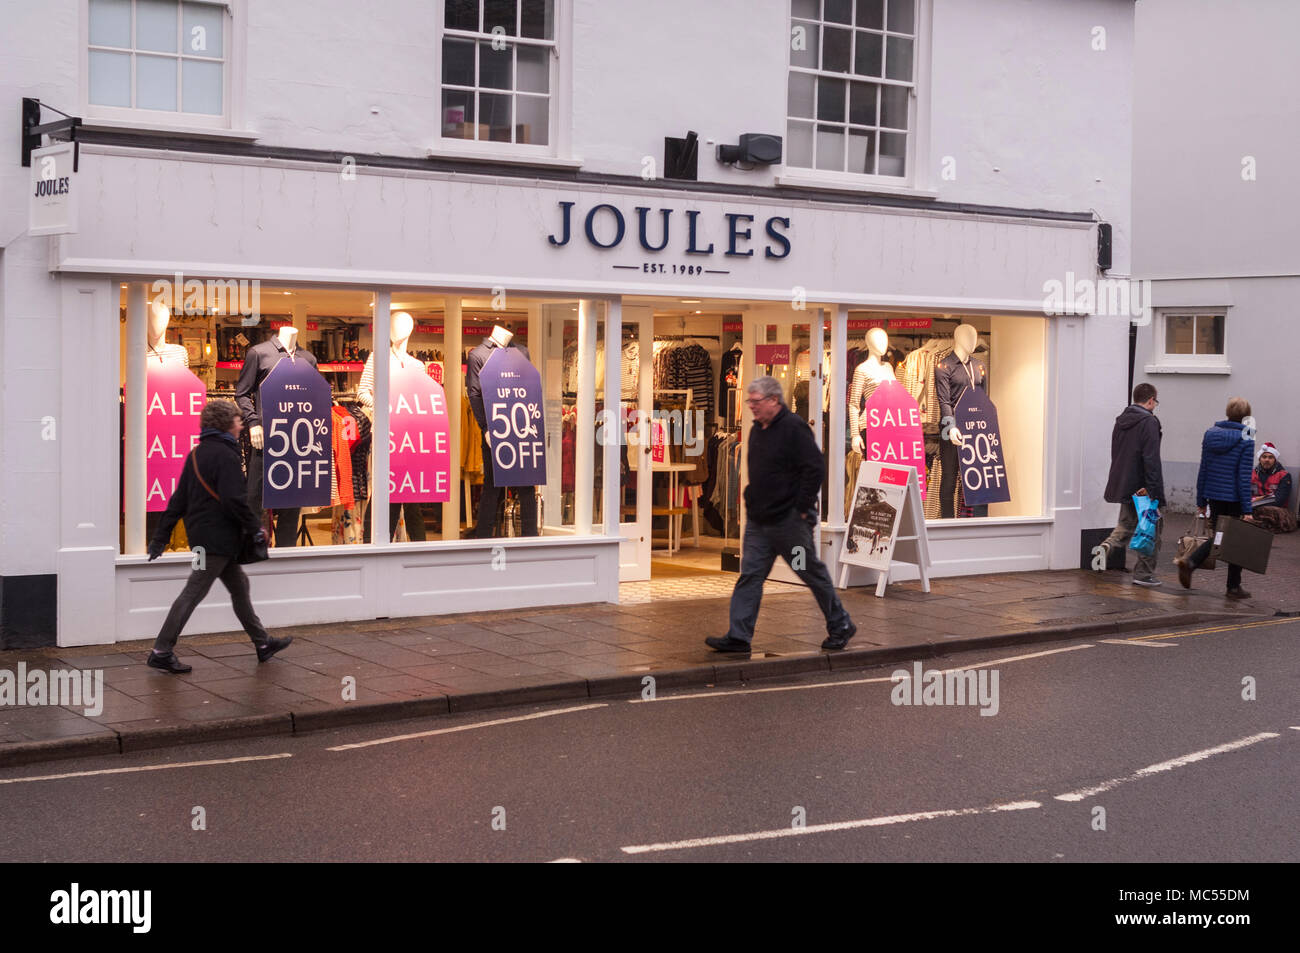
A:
(635, 370)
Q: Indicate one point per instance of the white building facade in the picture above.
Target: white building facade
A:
(475, 164)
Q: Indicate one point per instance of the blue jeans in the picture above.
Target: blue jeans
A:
(792, 540)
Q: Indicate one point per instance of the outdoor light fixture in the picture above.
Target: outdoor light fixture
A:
(755, 147)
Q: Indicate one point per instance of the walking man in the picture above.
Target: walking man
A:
(1134, 470)
(785, 475)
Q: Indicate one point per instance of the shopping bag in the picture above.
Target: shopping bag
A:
(1190, 541)
(1242, 544)
(1144, 537)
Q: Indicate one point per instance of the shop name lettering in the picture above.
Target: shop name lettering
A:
(59, 186)
(605, 227)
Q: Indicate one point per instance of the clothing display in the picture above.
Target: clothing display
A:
(486, 521)
(682, 366)
(169, 355)
(631, 370)
(729, 374)
(952, 376)
(366, 388)
(866, 378)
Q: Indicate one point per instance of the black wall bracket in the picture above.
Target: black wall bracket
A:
(34, 129)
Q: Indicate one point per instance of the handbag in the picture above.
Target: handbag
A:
(250, 550)
(1189, 542)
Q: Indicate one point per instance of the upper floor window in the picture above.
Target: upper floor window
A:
(498, 77)
(851, 86)
(166, 56)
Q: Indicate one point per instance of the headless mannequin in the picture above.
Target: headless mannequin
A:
(159, 350)
(401, 325)
(867, 376)
(953, 375)
(485, 523)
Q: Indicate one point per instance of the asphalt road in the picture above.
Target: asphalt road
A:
(1154, 731)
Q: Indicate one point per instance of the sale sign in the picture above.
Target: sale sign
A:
(512, 403)
(297, 462)
(175, 401)
(419, 436)
(983, 467)
(893, 428)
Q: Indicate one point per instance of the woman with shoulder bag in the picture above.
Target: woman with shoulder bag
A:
(1224, 484)
(211, 496)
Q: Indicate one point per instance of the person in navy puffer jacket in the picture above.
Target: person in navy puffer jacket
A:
(1223, 483)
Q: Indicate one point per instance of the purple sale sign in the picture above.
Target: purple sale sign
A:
(512, 403)
(297, 418)
(983, 466)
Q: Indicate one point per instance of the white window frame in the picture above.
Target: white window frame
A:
(559, 130)
(227, 125)
(1162, 362)
(918, 180)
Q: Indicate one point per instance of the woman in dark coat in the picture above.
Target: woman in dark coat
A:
(216, 516)
(1227, 458)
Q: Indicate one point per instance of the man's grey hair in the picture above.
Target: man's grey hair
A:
(767, 387)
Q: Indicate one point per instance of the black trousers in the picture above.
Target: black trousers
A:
(485, 524)
(949, 460)
(1219, 508)
(231, 574)
(286, 519)
(415, 529)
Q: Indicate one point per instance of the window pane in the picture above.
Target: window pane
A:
(835, 49)
(500, 13)
(202, 27)
(804, 43)
(839, 11)
(533, 68)
(893, 107)
(496, 67)
(155, 82)
(110, 79)
(801, 95)
(538, 18)
(155, 25)
(532, 120)
(830, 148)
(1209, 334)
(799, 144)
(494, 112)
(457, 62)
(110, 23)
(862, 103)
(901, 16)
(201, 87)
(861, 151)
(1178, 334)
(457, 114)
(461, 15)
(893, 153)
(898, 58)
(807, 8)
(866, 54)
(830, 99)
(871, 14)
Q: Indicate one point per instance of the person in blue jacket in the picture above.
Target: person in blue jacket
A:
(1223, 483)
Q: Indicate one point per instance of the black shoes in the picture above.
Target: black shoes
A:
(168, 663)
(1238, 593)
(837, 640)
(726, 643)
(264, 652)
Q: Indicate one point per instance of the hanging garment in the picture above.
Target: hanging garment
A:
(630, 372)
(471, 446)
(343, 436)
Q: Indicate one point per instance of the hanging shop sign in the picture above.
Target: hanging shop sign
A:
(419, 436)
(983, 466)
(297, 417)
(52, 196)
(175, 400)
(893, 428)
(899, 324)
(886, 512)
(516, 434)
(771, 354)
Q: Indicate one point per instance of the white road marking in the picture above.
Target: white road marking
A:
(855, 681)
(477, 724)
(1167, 766)
(1140, 643)
(147, 767)
(823, 828)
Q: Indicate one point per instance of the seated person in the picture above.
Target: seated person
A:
(1271, 492)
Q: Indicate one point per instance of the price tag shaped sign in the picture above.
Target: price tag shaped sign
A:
(419, 437)
(175, 401)
(297, 429)
(983, 465)
(893, 428)
(512, 403)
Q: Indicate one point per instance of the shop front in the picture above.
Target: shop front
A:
(563, 394)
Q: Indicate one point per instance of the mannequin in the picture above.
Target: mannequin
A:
(168, 355)
(952, 376)
(867, 376)
(259, 361)
(485, 524)
(400, 327)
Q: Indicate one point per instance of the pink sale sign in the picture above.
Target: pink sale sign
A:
(175, 398)
(419, 442)
(893, 429)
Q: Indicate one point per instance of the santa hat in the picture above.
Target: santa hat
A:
(1268, 448)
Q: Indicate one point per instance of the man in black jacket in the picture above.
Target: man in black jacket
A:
(1134, 470)
(212, 497)
(785, 474)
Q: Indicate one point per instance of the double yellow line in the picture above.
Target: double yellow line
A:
(1217, 628)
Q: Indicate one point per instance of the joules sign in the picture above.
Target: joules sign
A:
(606, 226)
